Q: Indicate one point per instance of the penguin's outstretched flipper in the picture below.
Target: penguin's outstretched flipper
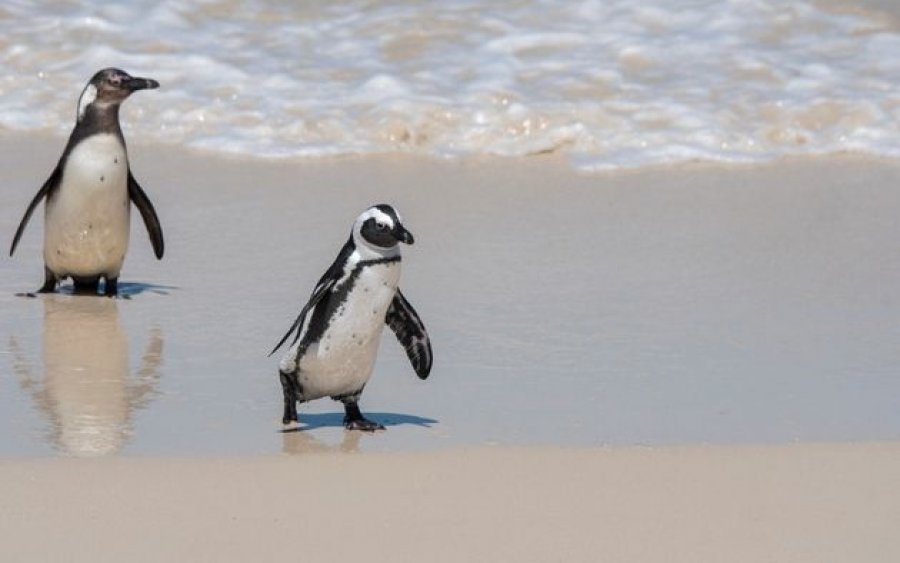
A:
(411, 333)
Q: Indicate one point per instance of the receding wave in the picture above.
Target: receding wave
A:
(609, 84)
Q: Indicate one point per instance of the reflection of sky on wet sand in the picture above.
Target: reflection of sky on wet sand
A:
(87, 393)
(707, 306)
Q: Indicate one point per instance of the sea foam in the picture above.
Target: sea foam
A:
(610, 84)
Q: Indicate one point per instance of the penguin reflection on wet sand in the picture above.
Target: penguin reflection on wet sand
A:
(339, 329)
(84, 387)
(87, 213)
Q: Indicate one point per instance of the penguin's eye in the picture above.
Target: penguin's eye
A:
(380, 227)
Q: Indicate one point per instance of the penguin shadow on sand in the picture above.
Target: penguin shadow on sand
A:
(298, 440)
(126, 290)
(87, 392)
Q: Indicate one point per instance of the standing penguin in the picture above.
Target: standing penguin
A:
(87, 214)
(339, 329)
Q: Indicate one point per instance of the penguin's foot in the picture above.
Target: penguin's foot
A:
(289, 386)
(49, 282)
(290, 415)
(354, 420)
(290, 411)
(111, 287)
(363, 424)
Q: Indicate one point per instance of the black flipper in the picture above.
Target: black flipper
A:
(142, 202)
(48, 188)
(411, 333)
(321, 290)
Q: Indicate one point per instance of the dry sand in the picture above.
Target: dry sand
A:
(797, 503)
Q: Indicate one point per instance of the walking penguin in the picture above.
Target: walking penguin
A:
(339, 329)
(87, 213)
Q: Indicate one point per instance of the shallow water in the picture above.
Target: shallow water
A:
(611, 84)
(671, 307)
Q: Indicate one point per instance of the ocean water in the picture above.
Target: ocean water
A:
(608, 83)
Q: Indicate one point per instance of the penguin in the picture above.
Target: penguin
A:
(338, 331)
(87, 213)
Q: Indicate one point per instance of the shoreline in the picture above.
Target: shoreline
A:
(23, 142)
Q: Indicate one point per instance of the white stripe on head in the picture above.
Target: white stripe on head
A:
(88, 96)
(377, 214)
(366, 250)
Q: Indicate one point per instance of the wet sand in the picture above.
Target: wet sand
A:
(698, 304)
(735, 311)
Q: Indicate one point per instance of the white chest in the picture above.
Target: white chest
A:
(360, 318)
(87, 220)
(97, 163)
(343, 359)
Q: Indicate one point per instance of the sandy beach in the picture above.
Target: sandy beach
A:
(657, 252)
(703, 361)
(801, 503)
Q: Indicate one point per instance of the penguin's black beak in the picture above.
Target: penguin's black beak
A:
(401, 234)
(135, 83)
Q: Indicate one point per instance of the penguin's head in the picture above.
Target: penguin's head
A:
(110, 87)
(380, 227)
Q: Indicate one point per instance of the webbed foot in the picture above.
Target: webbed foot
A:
(354, 420)
(363, 424)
